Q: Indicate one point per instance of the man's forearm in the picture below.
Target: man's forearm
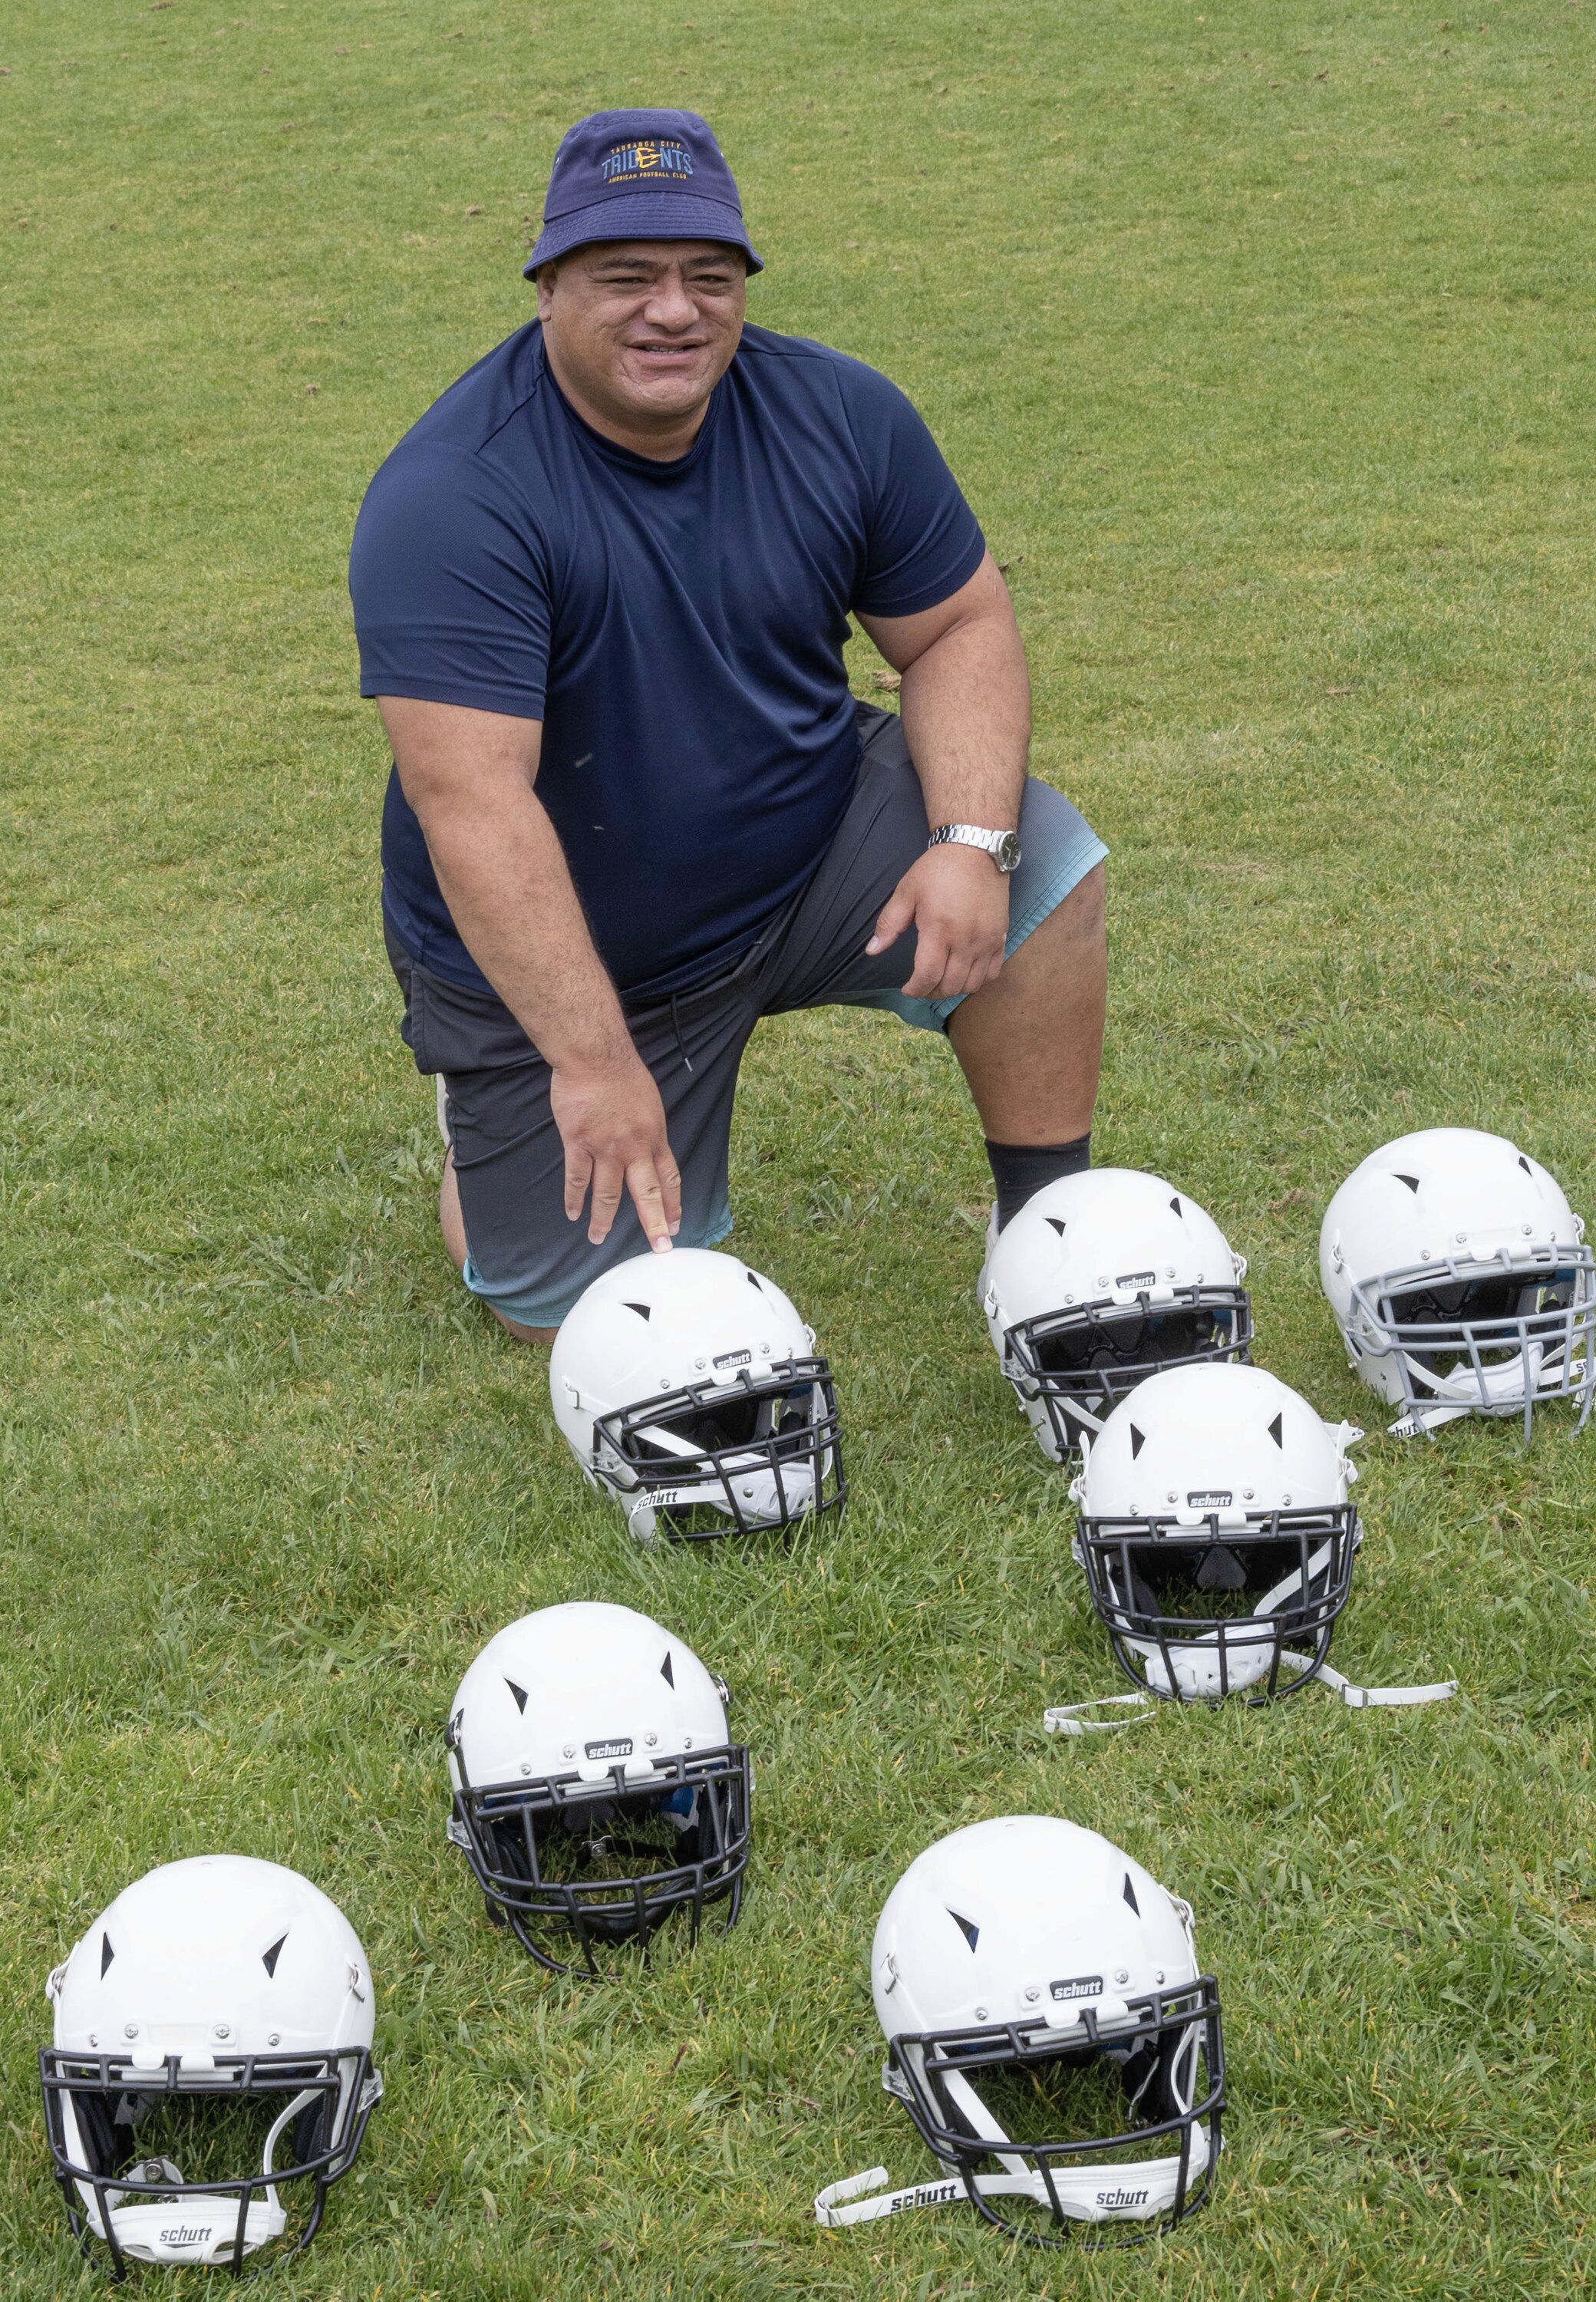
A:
(504, 876)
(966, 712)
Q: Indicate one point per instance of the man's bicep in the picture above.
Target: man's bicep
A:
(448, 755)
(902, 639)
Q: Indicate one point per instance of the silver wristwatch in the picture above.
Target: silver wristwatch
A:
(1002, 846)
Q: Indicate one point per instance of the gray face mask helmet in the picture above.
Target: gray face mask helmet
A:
(1461, 1281)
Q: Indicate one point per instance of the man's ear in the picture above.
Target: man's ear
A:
(542, 280)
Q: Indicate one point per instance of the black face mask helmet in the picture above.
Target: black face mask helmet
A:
(1051, 2036)
(597, 1791)
(687, 1386)
(220, 2012)
(1217, 1533)
(1102, 1280)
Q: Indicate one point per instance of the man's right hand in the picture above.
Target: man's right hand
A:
(612, 1124)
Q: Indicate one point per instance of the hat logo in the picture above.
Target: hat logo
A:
(645, 159)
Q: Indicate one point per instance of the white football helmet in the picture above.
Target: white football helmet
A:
(1014, 1962)
(1101, 1278)
(1215, 1530)
(687, 1386)
(1460, 1281)
(596, 1785)
(208, 1985)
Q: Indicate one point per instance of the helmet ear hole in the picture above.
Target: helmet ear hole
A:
(108, 2145)
(311, 2129)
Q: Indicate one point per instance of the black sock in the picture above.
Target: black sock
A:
(1019, 1170)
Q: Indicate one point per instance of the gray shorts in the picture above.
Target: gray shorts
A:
(524, 1258)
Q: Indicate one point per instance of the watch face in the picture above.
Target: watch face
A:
(1008, 852)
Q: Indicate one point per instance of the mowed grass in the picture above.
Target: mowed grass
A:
(1259, 339)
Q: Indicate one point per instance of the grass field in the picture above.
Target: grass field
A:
(1260, 339)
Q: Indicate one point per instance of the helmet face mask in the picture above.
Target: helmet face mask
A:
(1078, 1363)
(1084, 2117)
(116, 2134)
(606, 1864)
(1205, 1612)
(754, 1452)
(1498, 1338)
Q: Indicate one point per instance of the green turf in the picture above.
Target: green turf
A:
(1259, 339)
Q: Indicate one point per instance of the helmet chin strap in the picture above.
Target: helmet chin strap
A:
(194, 2225)
(1134, 2190)
(1196, 1671)
(1512, 1383)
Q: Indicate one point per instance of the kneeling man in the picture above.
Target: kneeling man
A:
(601, 590)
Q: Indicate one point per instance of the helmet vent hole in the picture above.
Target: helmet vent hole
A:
(643, 1310)
(666, 1672)
(269, 1958)
(1054, 1223)
(1176, 1208)
(1137, 1441)
(753, 1281)
(1277, 1432)
(518, 1691)
(107, 1952)
(1130, 1895)
(967, 1927)
(1412, 1183)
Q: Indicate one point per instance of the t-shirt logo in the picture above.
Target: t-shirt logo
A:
(627, 164)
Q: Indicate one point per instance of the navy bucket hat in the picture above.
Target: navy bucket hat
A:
(639, 176)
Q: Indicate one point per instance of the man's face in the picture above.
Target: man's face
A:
(645, 328)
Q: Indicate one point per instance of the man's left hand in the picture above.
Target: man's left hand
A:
(959, 902)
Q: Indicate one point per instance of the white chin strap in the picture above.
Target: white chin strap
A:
(1073, 1717)
(1135, 2190)
(196, 2225)
(1467, 1391)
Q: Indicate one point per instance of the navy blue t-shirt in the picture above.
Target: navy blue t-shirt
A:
(677, 628)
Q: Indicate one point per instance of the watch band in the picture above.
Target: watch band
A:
(1002, 846)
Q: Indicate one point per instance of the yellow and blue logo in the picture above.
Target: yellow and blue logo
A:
(647, 160)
